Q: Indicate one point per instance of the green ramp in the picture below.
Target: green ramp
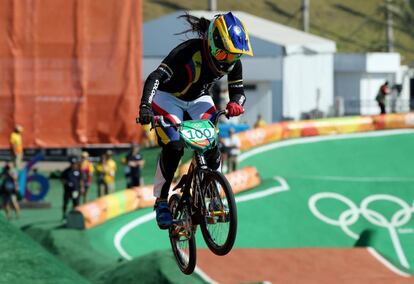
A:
(157, 267)
(22, 260)
(74, 249)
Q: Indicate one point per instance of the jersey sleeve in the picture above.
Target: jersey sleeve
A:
(235, 84)
(166, 70)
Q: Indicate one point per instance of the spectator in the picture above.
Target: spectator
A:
(72, 184)
(260, 122)
(224, 153)
(16, 146)
(133, 165)
(87, 173)
(110, 171)
(380, 98)
(8, 191)
(100, 176)
(232, 144)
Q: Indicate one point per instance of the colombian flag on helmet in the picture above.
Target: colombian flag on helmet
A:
(227, 33)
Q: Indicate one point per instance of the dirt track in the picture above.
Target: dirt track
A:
(311, 265)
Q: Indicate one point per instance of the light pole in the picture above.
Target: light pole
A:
(305, 15)
(390, 32)
(212, 5)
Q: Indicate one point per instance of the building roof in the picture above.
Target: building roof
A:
(268, 38)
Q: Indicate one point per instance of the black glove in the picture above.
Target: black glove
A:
(145, 114)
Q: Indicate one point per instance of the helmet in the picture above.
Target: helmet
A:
(228, 39)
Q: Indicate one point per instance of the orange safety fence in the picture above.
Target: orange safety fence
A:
(70, 71)
(105, 208)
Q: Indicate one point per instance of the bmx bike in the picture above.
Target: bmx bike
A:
(204, 196)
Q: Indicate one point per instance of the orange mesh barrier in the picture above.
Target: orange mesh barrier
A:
(70, 71)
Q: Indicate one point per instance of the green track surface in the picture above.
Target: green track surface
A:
(355, 169)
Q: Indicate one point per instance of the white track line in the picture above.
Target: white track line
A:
(357, 179)
(145, 218)
(148, 217)
(125, 230)
(314, 139)
(386, 263)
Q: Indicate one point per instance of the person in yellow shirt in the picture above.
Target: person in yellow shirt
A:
(110, 171)
(16, 146)
(86, 173)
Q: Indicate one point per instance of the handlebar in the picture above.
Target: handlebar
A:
(161, 121)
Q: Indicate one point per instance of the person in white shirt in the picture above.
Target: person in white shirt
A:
(232, 144)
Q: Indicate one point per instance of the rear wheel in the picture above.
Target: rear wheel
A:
(219, 221)
(182, 236)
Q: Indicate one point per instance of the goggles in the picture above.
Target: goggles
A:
(222, 55)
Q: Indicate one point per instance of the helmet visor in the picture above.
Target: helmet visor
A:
(222, 55)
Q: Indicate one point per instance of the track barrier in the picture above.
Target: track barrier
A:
(105, 208)
(110, 206)
(344, 125)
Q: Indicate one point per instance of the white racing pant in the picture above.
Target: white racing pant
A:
(172, 107)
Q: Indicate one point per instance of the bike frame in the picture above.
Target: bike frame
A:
(194, 174)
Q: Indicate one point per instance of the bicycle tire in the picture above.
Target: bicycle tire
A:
(182, 236)
(211, 225)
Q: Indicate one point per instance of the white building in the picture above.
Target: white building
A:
(358, 78)
(291, 72)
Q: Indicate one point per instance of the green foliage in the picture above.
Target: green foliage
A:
(356, 26)
(403, 11)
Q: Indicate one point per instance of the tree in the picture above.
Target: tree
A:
(403, 11)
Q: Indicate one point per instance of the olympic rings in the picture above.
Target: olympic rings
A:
(351, 215)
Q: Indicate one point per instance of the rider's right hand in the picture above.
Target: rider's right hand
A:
(145, 114)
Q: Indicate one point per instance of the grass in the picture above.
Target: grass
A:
(55, 254)
(356, 26)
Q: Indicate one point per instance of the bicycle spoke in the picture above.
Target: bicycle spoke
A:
(219, 224)
(181, 236)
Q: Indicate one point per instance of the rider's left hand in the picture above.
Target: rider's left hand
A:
(234, 109)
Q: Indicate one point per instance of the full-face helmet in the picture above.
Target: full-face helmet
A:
(228, 39)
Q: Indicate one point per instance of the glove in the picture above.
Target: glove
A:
(234, 109)
(145, 114)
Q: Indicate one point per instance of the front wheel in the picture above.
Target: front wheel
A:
(182, 235)
(219, 221)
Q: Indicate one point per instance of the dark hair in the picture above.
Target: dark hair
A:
(197, 25)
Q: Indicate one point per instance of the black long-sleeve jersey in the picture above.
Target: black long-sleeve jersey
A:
(188, 72)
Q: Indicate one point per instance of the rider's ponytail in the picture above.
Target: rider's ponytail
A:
(197, 25)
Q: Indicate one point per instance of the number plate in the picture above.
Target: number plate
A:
(199, 134)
